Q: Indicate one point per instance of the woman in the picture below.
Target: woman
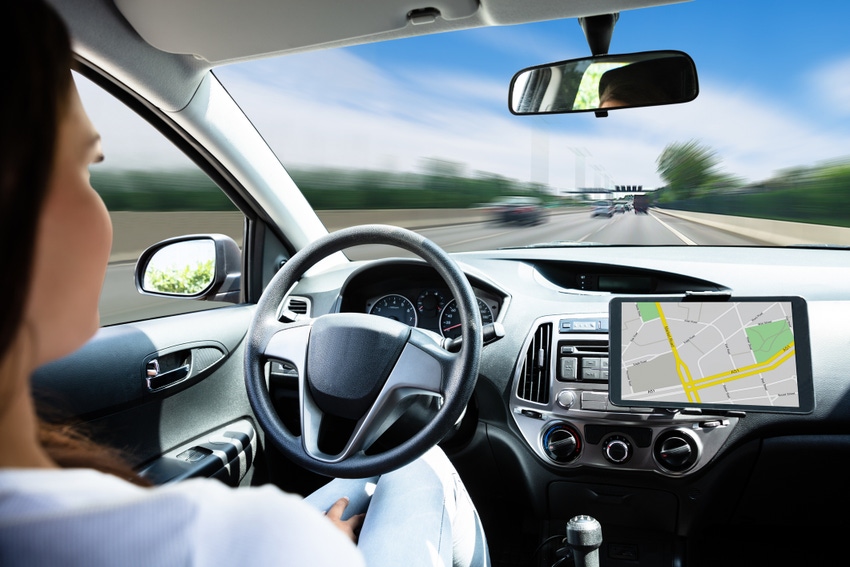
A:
(54, 271)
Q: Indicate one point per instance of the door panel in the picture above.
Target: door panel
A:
(105, 385)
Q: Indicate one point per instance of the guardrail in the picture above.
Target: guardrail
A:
(773, 232)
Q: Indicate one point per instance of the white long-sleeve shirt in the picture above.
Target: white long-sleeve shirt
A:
(73, 517)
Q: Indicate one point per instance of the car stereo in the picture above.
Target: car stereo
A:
(719, 353)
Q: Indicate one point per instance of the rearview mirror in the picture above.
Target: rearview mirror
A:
(605, 82)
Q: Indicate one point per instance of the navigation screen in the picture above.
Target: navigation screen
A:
(738, 354)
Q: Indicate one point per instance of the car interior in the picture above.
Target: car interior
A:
(532, 365)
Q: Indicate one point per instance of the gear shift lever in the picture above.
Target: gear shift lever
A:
(584, 536)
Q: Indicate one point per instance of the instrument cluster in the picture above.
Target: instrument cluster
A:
(432, 308)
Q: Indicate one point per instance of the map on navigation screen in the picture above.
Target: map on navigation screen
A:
(741, 354)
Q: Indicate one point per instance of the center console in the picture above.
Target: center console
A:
(560, 403)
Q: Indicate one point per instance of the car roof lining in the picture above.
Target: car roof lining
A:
(221, 31)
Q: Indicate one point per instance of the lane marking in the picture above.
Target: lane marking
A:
(675, 232)
(598, 229)
(467, 241)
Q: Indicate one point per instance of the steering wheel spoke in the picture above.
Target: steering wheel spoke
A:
(417, 374)
(289, 344)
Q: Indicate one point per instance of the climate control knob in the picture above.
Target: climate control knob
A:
(561, 443)
(676, 451)
(617, 449)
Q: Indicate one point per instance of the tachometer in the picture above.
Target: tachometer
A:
(450, 319)
(396, 307)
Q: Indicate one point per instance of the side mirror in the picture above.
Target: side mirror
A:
(604, 82)
(201, 266)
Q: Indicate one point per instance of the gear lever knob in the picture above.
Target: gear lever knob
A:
(584, 536)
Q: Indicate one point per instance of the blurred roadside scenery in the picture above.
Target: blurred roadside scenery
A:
(813, 194)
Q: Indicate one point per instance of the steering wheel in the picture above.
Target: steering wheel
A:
(361, 368)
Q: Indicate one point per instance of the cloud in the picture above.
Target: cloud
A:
(533, 44)
(754, 133)
(830, 84)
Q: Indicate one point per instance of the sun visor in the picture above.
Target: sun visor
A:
(227, 30)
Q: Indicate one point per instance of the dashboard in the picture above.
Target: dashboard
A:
(548, 377)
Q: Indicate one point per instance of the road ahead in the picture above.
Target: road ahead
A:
(121, 302)
(625, 228)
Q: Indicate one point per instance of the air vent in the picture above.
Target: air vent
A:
(295, 307)
(298, 305)
(535, 376)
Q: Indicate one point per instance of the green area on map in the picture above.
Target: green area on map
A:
(768, 339)
(648, 311)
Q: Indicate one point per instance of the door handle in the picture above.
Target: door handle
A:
(157, 380)
(184, 362)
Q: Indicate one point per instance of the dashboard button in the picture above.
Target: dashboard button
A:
(594, 401)
(566, 399)
(569, 368)
(591, 374)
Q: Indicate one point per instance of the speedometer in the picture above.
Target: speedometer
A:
(450, 322)
(396, 307)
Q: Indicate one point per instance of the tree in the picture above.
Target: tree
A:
(688, 167)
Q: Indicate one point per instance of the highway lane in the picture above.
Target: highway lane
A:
(121, 302)
(625, 228)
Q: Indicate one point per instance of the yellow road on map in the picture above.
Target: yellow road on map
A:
(681, 368)
(692, 386)
(772, 363)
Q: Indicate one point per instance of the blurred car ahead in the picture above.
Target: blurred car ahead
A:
(519, 210)
(603, 209)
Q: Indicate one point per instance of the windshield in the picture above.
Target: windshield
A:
(417, 132)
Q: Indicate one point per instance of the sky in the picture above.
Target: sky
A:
(774, 93)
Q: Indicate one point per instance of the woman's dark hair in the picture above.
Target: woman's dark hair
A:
(32, 104)
(37, 82)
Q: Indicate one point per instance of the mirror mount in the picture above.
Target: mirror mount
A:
(598, 31)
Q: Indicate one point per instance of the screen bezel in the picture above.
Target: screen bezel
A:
(802, 347)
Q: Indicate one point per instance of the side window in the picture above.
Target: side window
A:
(153, 192)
